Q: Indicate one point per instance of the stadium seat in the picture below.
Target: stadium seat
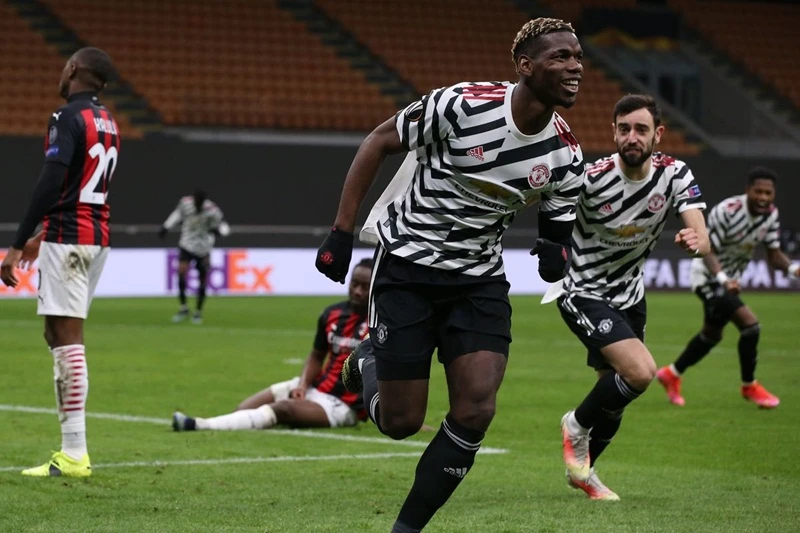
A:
(234, 63)
(751, 34)
(429, 54)
(29, 72)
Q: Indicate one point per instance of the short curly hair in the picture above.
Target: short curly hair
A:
(534, 28)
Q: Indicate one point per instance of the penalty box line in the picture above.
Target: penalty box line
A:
(325, 434)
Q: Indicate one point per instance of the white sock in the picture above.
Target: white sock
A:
(72, 387)
(260, 418)
(574, 426)
(674, 370)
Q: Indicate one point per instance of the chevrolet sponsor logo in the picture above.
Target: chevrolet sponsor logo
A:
(628, 231)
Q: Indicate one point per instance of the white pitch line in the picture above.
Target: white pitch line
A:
(289, 432)
(239, 460)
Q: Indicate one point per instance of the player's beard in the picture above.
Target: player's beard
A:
(636, 159)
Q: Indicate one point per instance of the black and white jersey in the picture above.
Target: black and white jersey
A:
(474, 171)
(734, 234)
(197, 227)
(618, 224)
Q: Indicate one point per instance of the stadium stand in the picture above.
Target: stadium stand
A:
(251, 64)
(233, 63)
(29, 72)
(430, 54)
(763, 37)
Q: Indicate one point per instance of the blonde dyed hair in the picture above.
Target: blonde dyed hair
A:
(534, 28)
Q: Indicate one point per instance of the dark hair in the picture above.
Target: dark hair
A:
(531, 30)
(761, 173)
(96, 62)
(367, 262)
(633, 102)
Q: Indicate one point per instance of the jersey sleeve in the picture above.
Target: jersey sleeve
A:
(321, 338)
(716, 226)
(559, 203)
(688, 195)
(175, 217)
(63, 134)
(772, 239)
(429, 120)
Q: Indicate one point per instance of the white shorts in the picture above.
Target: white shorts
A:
(68, 276)
(339, 413)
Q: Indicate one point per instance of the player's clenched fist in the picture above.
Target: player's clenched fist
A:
(688, 239)
(333, 257)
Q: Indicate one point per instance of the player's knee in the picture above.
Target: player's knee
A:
(641, 375)
(284, 411)
(476, 415)
(48, 337)
(711, 334)
(401, 426)
(754, 330)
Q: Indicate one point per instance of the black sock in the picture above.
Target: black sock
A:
(446, 461)
(697, 348)
(369, 379)
(748, 352)
(603, 431)
(610, 393)
(201, 296)
(182, 290)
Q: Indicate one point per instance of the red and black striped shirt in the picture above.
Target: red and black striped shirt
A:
(339, 330)
(83, 136)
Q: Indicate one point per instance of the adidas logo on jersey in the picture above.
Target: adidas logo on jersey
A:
(458, 472)
(476, 152)
(607, 209)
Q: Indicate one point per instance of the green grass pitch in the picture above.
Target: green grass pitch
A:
(717, 465)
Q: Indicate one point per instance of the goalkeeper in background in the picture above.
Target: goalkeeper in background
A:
(201, 221)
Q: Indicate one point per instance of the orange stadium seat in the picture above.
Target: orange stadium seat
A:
(429, 54)
(235, 63)
(29, 72)
(763, 37)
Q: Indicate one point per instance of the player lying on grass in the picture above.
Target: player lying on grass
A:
(316, 398)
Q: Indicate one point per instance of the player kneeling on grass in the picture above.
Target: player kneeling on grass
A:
(317, 398)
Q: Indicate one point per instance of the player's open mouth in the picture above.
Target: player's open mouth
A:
(571, 85)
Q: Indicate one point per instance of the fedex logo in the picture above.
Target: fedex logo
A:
(231, 272)
(28, 281)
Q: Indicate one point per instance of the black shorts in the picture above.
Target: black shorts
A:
(415, 309)
(597, 324)
(719, 305)
(199, 261)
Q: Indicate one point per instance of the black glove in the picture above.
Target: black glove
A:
(162, 232)
(333, 257)
(553, 259)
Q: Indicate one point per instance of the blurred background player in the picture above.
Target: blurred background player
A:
(623, 207)
(736, 226)
(317, 398)
(201, 222)
(71, 199)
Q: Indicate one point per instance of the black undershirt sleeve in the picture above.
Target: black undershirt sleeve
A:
(45, 195)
